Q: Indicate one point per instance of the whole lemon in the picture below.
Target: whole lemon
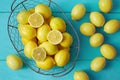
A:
(50, 48)
(97, 19)
(108, 51)
(87, 29)
(81, 75)
(62, 57)
(112, 26)
(42, 33)
(28, 49)
(23, 16)
(44, 10)
(47, 64)
(96, 40)
(105, 5)
(57, 23)
(78, 11)
(14, 62)
(25, 41)
(26, 31)
(67, 40)
(98, 64)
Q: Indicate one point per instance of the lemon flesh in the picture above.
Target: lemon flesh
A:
(36, 20)
(39, 54)
(55, 37)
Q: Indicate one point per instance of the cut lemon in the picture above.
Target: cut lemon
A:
(55, 37)
(36, 20)
(39, 54)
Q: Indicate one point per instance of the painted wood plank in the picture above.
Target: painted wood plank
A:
(111, 70)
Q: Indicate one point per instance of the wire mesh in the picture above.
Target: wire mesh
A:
(16, 39)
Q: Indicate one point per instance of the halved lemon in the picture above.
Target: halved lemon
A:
(36, 20)
(55, 37)
(39, 54)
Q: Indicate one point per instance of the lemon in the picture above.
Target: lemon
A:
(28, 49)
(42, 33)
(87, 29)
(55, 37)
(26, 31)
(62, 57)
(98, 64)
(67, 40)
(57, 23)
(80, 75)
(108, 51)
(39, 54)
(50, 48)
(96, 40)
(25, 41)
(105, 5)
(47, 64)
(23, 16)
(36, 20)
(44, 10)
(78, 11)
(97, 19)
(32, 10)
(14, 62)
(112, 26)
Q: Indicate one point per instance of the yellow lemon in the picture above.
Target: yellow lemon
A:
(62, 57)
(98, 64)
(96, 40)
(112, 26)
(42, 33)
(105, 5)
(36, 20)
(28, 49)
(67, 40)
(47, 64)
(27, 31)
(14, 62)
(25, 41)
(97, 19)
(81, 75)
(78, 11)
(44, 10)
(55, 37)
(87, 29)
(50, 48)
(108, 51)
(57, 23)
(23, 16)
(39, 54)
(32, 10)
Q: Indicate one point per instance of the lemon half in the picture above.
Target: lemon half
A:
(36, 20)
(55, 37)
(39, 54)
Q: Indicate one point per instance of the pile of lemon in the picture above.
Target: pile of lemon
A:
(44, 37)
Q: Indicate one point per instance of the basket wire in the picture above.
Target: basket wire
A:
(16, 39)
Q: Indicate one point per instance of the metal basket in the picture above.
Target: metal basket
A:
(16, 39)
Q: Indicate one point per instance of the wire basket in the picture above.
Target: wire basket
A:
(16, 39)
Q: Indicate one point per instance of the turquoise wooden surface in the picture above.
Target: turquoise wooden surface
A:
(87, 53)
